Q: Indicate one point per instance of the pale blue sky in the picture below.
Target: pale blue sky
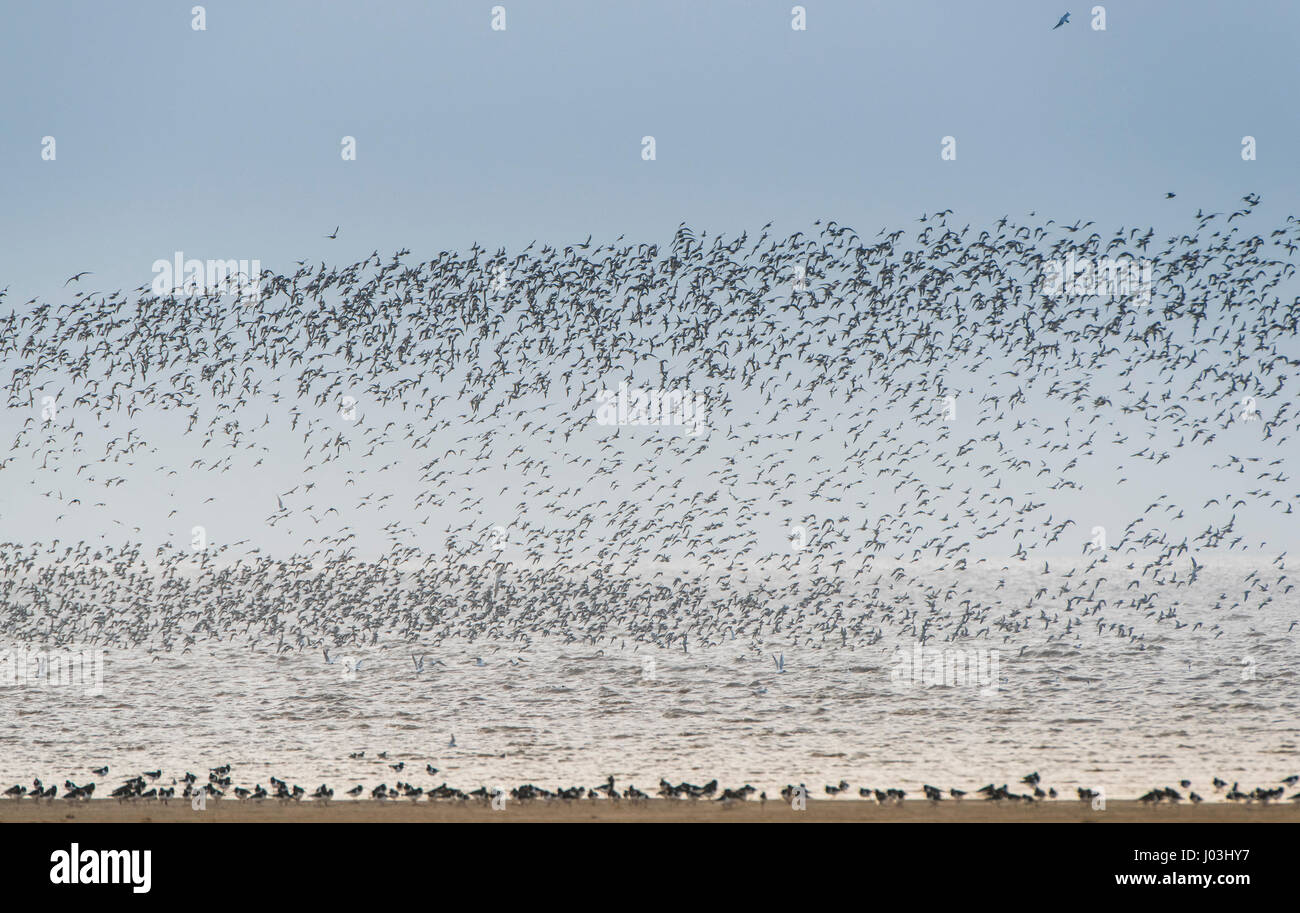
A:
(225, 143)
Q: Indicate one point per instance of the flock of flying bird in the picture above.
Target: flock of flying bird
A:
(882, 413)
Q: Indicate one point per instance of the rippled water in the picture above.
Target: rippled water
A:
(1098, 711)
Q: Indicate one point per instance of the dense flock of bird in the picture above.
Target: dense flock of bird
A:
(883, 415)
(220, 785)
(826, 361)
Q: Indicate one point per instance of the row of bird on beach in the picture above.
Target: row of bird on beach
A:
(833, 365)
(221, 785)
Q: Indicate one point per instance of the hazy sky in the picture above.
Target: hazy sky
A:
(226, 142)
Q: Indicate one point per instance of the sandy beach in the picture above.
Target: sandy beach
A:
(653, 810)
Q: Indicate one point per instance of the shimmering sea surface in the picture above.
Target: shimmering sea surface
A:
(1095, 710)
